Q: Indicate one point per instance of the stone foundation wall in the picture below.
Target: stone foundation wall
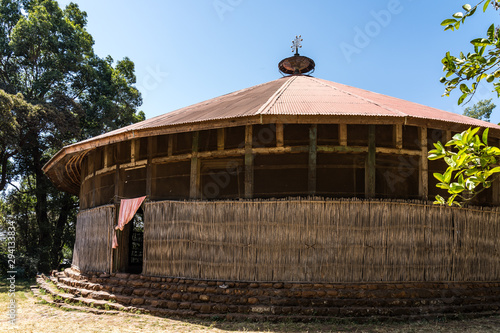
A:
(233, 300)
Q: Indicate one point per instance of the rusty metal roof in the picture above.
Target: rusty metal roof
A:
(297, 95)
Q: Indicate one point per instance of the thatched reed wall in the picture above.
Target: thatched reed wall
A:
(93, 241)
(323, 241)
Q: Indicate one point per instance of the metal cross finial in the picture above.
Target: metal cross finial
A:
(296, 44)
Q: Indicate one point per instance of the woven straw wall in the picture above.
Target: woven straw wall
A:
(323, 241)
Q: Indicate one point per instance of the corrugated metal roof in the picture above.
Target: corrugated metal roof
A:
(288, 96)
(298, 95)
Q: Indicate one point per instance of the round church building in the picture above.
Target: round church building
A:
(299, 196)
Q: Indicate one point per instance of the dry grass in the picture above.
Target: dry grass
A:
(41, 318)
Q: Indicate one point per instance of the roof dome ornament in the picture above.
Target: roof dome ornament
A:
(296, 65)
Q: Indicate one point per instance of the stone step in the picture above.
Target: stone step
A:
(129, 295)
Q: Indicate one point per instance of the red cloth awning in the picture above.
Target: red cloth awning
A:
(128, 208)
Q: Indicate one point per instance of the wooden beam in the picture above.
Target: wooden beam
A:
(91, 176)
(133, 149)
(424, 165)
(248, 162)
(170, 148)
(221, 138)
(195, 168)
(496, 183)
(447, 137)
(106, 157)
(398, 136)
(313, 143)
(343, 134)
(118, 186)
(370, 164)
(279, 135)
(149, 168)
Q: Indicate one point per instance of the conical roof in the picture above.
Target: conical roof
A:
(290, 99)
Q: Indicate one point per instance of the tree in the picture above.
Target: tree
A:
(472, 166)
(48, 66)
(467, 70)
(481, 110)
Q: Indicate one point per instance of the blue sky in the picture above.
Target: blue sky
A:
(192, 50)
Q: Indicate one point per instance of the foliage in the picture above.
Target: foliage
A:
(481, 64)
(481, 110)
(472, 166)
(54, 91)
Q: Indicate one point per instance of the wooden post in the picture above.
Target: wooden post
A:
(313, 144)
(133, 149)
(343, 134)
(170, 144)
(424, 165)
(195, 168)
(115, 258)
(398, 136)
(221, 138)
(279, 135)
(370, 164)
(496, 183)
(448, 137)
(149, 167)
(248, 162)
(106, 157)
(92, 168)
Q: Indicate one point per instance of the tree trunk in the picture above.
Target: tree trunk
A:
(44, 228)
(58, 232)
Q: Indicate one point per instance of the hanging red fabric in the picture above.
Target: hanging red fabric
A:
(128, 208)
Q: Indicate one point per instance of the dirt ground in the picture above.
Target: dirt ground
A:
(33, 316)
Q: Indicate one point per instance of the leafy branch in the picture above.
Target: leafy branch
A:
(482, 64)
(472, 166)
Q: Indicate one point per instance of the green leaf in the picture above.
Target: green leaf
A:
(494, 170)
(490, 78)
(458, 15)
(448, 22)
(485, 6)
(439, 176)
(466, 7)
(447, 175)
(439, 200)
(464, 88)
(491, 32)
(485, 136)
(480, 42)
(461, 99)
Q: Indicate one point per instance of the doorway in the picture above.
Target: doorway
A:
(136, 243)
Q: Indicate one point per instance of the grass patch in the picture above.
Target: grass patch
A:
(35, 316)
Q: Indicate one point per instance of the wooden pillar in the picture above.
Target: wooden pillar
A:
(106, 157)
(221, 138)
(133, 149)
(115, 259)
(370, 164)
(424, 165)
(496, 184)
(195, 169)
(92, 168)
(447, 137)
(248, 162)
(279, 135)
(398, 136)
(149, 168)
(313, 143)
(170, 148)
(343, 134)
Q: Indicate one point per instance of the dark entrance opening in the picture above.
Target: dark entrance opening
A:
(136, 243)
